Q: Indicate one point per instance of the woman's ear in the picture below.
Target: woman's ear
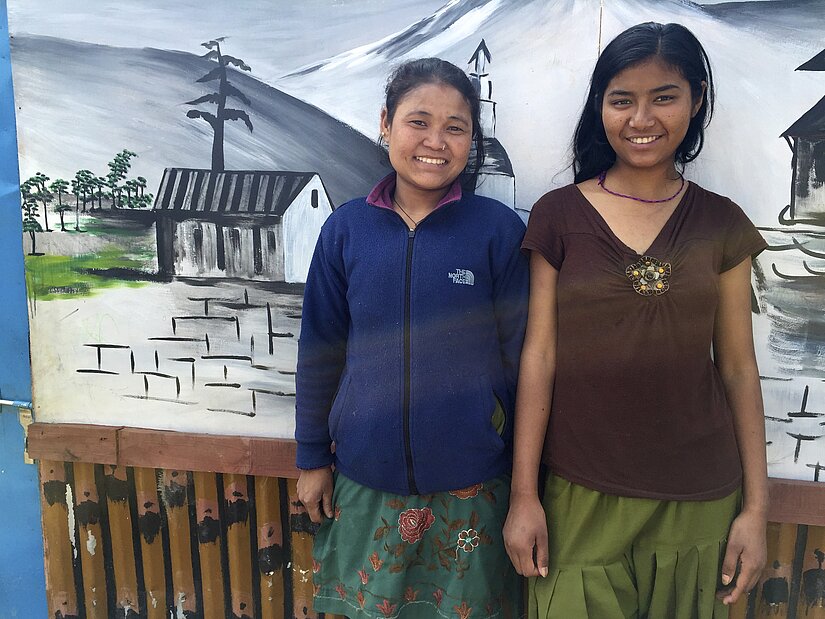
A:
(699, 100)
(384, 125)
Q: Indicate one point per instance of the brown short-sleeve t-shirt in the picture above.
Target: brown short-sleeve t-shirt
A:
(638, 406)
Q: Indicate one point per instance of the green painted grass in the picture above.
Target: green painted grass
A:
(65, 277)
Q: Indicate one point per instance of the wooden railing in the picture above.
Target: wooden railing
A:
(157, 524)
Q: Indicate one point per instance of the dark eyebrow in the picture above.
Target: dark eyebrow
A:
(658, 89)
(425, 113)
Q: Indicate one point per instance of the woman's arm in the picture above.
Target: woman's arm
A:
(322, 349)
(511, 289)
(526, 526)
(735, 358)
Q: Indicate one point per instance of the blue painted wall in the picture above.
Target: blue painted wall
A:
(22, 583)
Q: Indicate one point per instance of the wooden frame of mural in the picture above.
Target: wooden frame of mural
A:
(225, 536)
(792, 501)
(170, 203)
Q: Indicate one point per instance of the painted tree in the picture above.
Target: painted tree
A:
(118, 168)
(82, 188)
(84, 184)
(224, 90)
(30, 223)
(58, 188)
(130, 187)
(41, 193)
(100, 183)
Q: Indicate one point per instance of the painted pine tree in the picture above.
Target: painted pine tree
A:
(224, 90)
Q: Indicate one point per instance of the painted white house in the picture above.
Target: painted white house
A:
(247, 224)
(806, 137)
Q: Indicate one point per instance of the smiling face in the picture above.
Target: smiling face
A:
(646, 111)
(429, 139)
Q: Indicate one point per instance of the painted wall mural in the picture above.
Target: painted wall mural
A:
(178, 160)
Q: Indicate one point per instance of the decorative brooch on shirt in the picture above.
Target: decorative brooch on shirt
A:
(649, 276)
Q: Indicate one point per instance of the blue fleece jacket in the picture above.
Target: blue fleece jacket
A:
(407, 340)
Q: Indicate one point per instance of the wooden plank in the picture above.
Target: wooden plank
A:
(69, 442)
(273, 457)
(270, 559)
(174, 492)
(61, 596)
(127, 604)
(183, 451)
(209, 538)
(799, 502)
(791, 501)
(147, 448)
(151, 546)
(236, 514)
(301, 531)
(90, 540)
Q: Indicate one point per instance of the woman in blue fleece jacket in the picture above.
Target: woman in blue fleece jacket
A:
(412, 325)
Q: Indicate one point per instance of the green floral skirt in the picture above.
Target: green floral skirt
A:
(438, 555)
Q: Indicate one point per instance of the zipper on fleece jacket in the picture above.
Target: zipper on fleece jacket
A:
(407, 363)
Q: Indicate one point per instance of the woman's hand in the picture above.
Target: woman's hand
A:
(525, 533)
(315, 492)
(747, 550)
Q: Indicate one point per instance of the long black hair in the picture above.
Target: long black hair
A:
(414, 73)
(677, 47)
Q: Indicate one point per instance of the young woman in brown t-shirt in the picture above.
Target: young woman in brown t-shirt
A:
(638, 386)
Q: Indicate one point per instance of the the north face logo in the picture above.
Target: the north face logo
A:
(462, 276)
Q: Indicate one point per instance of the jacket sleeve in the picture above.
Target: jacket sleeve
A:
(511, 286)
(322, 350)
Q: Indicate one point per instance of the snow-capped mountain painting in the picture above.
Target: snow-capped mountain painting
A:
(158, 302)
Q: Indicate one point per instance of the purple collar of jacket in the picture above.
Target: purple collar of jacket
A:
(381, 194)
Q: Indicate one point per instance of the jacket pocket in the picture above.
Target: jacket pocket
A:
(339, 404)
(493, 416)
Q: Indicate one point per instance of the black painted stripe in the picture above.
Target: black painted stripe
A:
(270, 190)
(253, 546)
(180, 194)
(106, 542)
(169, 180)
(251, 205)
(239, 182)
(197, 187)
(210, 192)
(136, 546)
(194, 546)
(286, 535)
(77, 567)
(227, 590)
(796, 569)
(167, 553)
(224, 196)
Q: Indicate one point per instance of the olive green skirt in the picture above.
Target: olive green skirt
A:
(617, 557)
(438, 555)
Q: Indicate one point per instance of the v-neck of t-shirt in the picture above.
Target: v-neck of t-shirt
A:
(598, 219)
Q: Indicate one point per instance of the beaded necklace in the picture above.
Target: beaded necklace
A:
(603, 175)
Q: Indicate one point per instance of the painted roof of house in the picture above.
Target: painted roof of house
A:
(257, 192)
(810, 124)
(496, 159)
(817, 63)
(481, 49)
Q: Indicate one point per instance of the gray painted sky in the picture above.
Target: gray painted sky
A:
(261, 32)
